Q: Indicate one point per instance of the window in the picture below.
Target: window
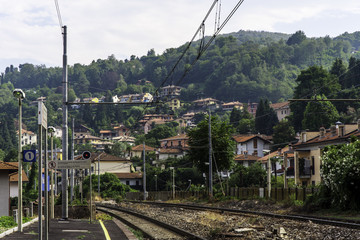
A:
(255, 142)
(127, 182)
(179, 142)
(312, 165)
(137, 183)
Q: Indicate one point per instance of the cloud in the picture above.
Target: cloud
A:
(97, 29)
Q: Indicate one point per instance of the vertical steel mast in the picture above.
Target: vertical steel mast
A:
(64, 173)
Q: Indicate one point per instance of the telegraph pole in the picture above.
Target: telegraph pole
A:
(144, 172)
(64, 173)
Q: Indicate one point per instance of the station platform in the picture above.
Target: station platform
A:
(76, 229)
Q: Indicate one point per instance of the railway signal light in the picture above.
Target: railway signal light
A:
(86, 155)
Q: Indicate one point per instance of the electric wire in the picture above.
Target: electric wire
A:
(58, 14)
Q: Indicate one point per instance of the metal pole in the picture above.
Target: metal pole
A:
(72, 170)
(52, 178)
(210, 159)
(269, 176)
(40, 182)
(285, 166)
(155, 183)
(99, 176)
(46, 194)
(90, 196)
(64, 173)
(144, 171)
(20, 171)
(174, 183)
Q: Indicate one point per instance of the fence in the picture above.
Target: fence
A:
(277, 194)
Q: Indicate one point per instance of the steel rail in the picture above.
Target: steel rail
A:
(319, 220)
(172, 228)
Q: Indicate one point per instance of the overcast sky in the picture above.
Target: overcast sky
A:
(30, 30)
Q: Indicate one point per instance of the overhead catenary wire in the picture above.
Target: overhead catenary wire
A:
(58, 14)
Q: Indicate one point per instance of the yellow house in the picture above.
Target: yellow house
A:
(308, 151)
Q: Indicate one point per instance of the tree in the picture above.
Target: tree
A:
(313, 81)
(235, 117)
(296, 38)
(254, 175)
(222, 145)
(283, 133)
(319, 114)
(340, 173)
(266, 118)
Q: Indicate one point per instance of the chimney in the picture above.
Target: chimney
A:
(333, 130)
(322, 132)
(303, 137)
(341, 131)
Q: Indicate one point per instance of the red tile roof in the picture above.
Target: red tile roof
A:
(178, 137)
(140, 148)
(241, 157)
(8, 166)
(279, 105)
(246, 138)
(14, 177)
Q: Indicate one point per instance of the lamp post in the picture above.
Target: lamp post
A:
(19, 94)
(173, 185)
(51, 130)
(268, 173)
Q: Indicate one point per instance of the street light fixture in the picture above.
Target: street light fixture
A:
(19, 94)
(51, 130)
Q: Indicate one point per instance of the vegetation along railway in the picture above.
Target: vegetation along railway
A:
(194, 221)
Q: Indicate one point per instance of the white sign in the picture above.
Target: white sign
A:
(42, 114)
(70, 164)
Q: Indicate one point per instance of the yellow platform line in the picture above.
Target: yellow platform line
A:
(105, 230)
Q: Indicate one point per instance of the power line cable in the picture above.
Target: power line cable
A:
(58, 14)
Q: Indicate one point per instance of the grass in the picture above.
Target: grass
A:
(138, 234)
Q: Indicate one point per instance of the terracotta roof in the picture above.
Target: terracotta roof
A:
(181, 136)
(170, 150)
(8, 166)
(232, 103)
(140, 148)
(246, 138)
(14, 177)
(279, 105)
(129, 175)
(241, 157)
(205, 100)
(105, 131)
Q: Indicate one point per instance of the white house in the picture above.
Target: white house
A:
(14, 182)
(5, 170)
(27, 137)
(251, 145)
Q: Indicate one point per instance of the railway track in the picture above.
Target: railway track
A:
(151, 228)
(318, 220)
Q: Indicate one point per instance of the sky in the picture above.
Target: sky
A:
(31, 30)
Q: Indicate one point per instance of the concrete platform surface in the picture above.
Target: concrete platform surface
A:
(72, 229)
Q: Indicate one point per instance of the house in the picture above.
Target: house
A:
(308, 151)
(165, 153)
(107, 134)
(172, 147)
(150, 119)
(104, 162)
(251, 144)
(170, 91)
(121, 130)
(285, 158)
(27, 137)
(137, 151)
(125, 139)
(206, 103)
(179, 141)
(133, 179)
(5, 170)
(173, 103)
(231, 105)
(282, 110)
(83, 139)
(251, 108)
(14, 181)
(245, 159)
